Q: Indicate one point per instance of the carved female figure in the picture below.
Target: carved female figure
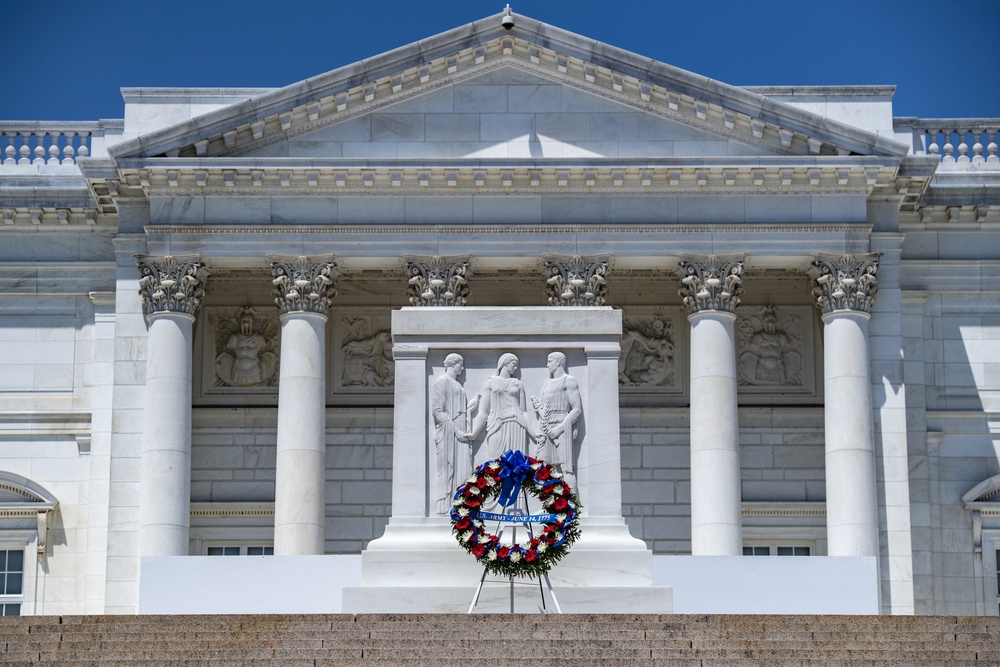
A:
(503, 410)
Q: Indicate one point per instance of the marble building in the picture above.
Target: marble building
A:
(197, 311)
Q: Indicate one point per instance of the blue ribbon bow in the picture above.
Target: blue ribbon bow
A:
(515, 468)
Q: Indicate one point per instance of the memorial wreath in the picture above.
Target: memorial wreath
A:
(507, 477)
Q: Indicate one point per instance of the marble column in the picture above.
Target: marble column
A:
(845, 288)
(171, 290)
(711, 289)
(303, 287)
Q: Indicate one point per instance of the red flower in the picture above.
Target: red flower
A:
(551, 540)
(479, 550)
(543, 473)
(534, 542)
(503, 552)
(530, 556)
(560, 504)
(472, 502)
(549, 528)
(463, 523)
(566, 491)
(482, 482)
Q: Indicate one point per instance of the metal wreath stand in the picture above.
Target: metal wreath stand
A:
(515, 515)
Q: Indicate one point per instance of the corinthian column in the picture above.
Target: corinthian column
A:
(711, 290)
(303, 287)
(845, 288)
(171, 289)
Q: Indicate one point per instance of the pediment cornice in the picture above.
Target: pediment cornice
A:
(467, 52)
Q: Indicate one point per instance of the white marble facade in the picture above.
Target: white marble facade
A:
(841, 396)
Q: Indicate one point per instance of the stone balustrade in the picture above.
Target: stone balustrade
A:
(959, 141)
(50, 143)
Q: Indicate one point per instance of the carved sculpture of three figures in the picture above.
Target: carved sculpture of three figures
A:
(502, 407)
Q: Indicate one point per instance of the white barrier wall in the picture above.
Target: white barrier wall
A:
(702, 585)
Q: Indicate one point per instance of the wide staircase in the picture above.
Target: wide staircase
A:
(459, 640)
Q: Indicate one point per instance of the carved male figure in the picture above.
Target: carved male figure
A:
(450, 410)
(504, 410)
(559, 409)
(247, 360)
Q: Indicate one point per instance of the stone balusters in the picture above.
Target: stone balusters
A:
(845, 288)
(711, 289)
(43, 145)
(171, 290)
(437, 281)
(576, 281)
(303, 287)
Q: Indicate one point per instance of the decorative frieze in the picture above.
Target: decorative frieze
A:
(171, 284)
(844, 282)
(647, 351)
(303, 283)
(437, 281)
(246, 349)
(576, 281)
(770, 347)
(711, 282)
(366, 350)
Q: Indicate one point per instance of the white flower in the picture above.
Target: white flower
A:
(467, 535)
(463, 511)
(536, 466)
(558, 489)
(493, 466)
(561, 517)
(491, 555)
(542, 546)
(458, 502)
(474, 490)
(471, 480)
(515, 556)
(556, 474)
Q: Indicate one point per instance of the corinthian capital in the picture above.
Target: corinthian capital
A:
(576, 281)
(711, 282)
(171, 284)
(303, 284)
(437, 281)
(844, 282)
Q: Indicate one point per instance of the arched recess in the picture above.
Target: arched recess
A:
(21, 498)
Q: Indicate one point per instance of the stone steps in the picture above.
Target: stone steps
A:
(444, 640)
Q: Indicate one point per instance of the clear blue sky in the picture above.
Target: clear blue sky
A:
(66, 59)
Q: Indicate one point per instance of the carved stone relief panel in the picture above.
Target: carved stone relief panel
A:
(240, 347)
(361, 352)
(775, 349)
(651, 358)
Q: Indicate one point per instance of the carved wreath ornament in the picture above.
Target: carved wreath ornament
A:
(507, 477)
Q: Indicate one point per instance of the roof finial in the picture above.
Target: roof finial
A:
(507, 21)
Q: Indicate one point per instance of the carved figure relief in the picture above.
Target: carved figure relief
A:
(246, 350)
(503, 409)
(367, 352)
(558, 410)
(770, 348)
(647, 356)
(453, 452)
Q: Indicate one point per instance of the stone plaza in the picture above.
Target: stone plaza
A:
(246, 325)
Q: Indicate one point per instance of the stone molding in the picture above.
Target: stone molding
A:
(437, 281)
(169, 284)
(844, 282)
(711, 282)
(303, 284)
(576, 280)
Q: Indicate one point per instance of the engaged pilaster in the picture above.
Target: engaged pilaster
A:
(303, 287)
(845, 288)
(171, 290)
(711, 289)
(437, 281)
(576, 281)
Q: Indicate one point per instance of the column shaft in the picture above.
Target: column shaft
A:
(715, 457)
(851, 502)
(165, 492)
(300, 497)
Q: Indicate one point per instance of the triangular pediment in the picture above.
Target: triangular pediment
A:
(507, 112)
(538, 70)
